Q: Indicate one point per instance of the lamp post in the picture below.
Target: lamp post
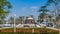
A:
(14, 23)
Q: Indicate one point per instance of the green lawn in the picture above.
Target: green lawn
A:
(27, 28)
(24, 33)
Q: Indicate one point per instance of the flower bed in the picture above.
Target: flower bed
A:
(36, 30)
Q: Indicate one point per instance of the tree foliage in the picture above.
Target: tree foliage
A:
(4, 8)
(43, 13)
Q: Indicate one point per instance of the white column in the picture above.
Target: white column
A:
(14, 23)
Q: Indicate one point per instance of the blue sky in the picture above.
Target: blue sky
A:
(26, 7)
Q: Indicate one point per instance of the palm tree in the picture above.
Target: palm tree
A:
(11, 20)
(4, 9)
(21, 18)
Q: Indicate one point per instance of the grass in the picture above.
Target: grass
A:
(26, 28)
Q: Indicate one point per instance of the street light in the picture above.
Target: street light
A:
(14, 26)
(14, 23)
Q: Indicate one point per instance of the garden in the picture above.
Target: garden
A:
(28, 31)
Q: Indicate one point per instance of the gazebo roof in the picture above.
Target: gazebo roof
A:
(30, 18)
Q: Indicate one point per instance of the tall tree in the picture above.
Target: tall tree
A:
(55, 2)
(58, 21)
(4, 9)
(42, 15)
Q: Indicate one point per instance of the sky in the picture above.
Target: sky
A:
(26, 7)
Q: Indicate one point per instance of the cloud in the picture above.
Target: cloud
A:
(24, 8)
(34, 7)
